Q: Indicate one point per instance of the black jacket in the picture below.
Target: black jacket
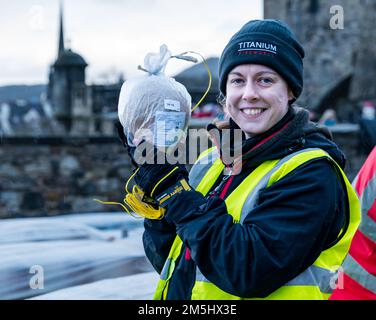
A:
(294, 220)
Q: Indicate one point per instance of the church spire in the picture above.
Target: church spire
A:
(61, 31)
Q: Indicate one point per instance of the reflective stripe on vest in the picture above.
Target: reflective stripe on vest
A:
(368, 228)
(202, 165)
(367, 199)
(302, 287)
(355, 271)
(313, 283)
(168, 269)
(313, 276)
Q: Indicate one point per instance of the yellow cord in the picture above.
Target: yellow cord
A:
(181, 56)
(130, 178)
(133, 202)
(136, 205)
(117, 203)
(159, 182)
(210, 79)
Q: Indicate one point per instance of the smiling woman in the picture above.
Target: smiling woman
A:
(277, 221)
(257, 97)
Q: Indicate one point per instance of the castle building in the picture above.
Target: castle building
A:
(82, 109)
(66, 88)
(340, 47)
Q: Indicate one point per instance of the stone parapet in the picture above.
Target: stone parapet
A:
(53, 176)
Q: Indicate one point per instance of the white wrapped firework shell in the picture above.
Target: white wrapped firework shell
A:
(154, 107)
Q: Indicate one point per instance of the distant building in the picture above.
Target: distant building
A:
(196, 80)
(340, 64)
(25, 118)
(69, 107)
(66, 81)
(82, 109)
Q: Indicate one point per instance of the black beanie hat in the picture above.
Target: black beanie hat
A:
(267, 42)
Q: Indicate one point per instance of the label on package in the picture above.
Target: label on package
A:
(172, 105)
(168, 126)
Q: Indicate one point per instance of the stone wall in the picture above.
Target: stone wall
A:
(52, 176)
(330, 53)
(347, 139)
(44, 177)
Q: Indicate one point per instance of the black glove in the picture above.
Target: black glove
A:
(154, 179)
(157, 179)
(124, 142)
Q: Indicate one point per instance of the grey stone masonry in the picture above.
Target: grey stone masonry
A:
(45, 180)
(336, 48)
(49, 176)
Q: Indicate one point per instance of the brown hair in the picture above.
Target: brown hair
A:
(222, 123)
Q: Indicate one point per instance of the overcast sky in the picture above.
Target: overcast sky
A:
(113, 35)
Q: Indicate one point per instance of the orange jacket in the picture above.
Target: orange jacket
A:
(358, 279)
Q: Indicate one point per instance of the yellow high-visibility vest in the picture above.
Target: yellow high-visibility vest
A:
(318, 280)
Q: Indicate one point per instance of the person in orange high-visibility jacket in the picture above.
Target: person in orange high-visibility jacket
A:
(358, 279)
